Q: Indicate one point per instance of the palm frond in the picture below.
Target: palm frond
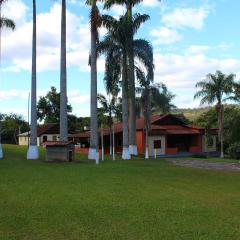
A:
(7, 23)
(138, 20)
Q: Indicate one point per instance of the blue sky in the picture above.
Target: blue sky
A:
(190, 38)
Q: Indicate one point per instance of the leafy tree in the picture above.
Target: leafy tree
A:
(215, 89)
(77, 124)
(12, 125)
(231, 126)
(48, 107)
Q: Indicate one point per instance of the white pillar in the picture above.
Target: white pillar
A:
(155, 153)
(146, 153)
(1, 151)
(97, 157)
(32, 153)
(126, 154)
(133, 150)
(92, 153)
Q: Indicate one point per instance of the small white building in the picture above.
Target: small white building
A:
(46, 132)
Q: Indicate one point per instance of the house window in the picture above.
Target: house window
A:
(157, 144)
(210, 142)
(54, 138)
(45, 139)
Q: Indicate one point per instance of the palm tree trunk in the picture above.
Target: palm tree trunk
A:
(63, 78)
(110, 126)
(132, 99)
(0, 37)
(1, 151)
(147, 116)
(93, 150)
(221, 129)
(125, 150)
(33, 149)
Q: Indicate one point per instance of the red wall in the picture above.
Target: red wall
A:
(198, 145)
(140, 138)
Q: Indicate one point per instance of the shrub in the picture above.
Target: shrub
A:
(234, 150)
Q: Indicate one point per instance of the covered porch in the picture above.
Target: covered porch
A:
(183, 143)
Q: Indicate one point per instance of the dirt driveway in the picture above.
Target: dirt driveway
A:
(207, 165)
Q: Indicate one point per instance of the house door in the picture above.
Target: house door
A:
(70, 156)
(45, 139)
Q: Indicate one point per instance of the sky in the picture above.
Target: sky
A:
(191, 38)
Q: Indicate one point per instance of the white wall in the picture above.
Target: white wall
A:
(161, 151)
(23, 141)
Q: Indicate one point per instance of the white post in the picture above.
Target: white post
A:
(102, 144)
(113, 144)
(146, 153)
(155, 153)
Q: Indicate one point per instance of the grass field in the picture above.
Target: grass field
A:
(135, 199)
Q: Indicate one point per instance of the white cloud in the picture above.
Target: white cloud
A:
(186, 17)
(196, 49)
(18, 53)
(13, 94)
(181, 72)
(165, 35)
(151, 3)
(16, 10)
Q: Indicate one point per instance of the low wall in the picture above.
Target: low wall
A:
(195, 149)
(171, 150)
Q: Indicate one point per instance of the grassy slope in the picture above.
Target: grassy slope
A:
(191, 114)
(116, 200)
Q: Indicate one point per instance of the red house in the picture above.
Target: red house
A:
(169, 135)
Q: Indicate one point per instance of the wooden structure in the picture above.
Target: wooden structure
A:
(59, 151)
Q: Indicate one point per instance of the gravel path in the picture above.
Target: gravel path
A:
(207, 165)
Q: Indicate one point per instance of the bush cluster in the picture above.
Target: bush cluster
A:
(234, 150)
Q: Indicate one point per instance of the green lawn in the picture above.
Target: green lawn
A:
(135, 199)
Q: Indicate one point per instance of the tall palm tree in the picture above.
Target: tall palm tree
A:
(161, 98)
(129, 4)
(236, 93)
(95, 22)
(33, 149)
(145, 101)
(114, 47)
(109, 107)
(4, 23)
(63, 78)
(152, 97)
(215, 89)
